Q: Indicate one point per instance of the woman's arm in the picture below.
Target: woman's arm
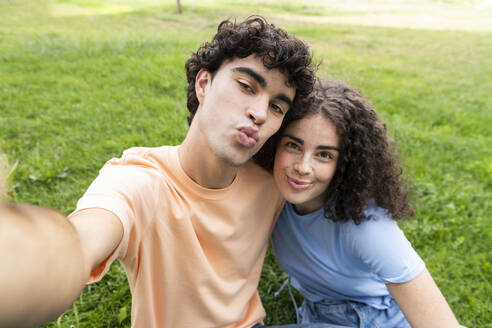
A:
(422, 303)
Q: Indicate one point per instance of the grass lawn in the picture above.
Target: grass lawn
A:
(82, 80)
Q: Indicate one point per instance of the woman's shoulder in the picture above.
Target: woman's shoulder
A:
(376, 218)
(378, 231)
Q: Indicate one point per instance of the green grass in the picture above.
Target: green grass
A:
(80, 81)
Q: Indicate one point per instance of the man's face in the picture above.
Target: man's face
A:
(241, 107)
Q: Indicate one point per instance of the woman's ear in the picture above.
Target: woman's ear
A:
(202, 82)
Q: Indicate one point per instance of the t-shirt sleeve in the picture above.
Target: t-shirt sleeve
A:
(382, 245)
(128, 191)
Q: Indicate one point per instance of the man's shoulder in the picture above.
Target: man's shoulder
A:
(256, 176)
(257, 180)
(149, 152)
(255, 171)
(146, 157)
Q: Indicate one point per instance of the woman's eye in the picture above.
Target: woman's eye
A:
(325, 155)
(292, 145)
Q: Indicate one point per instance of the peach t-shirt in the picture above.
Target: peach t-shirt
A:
(193, 256)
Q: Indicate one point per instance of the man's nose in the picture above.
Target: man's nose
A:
(258, 110)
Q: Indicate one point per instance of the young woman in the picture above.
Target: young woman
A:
(337, 236)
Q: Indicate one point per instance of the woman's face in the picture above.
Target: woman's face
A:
(306, 161)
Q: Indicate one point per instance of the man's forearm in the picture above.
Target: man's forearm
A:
(43, 268)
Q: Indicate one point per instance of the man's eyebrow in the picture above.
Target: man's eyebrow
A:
(300, 141)
(285, 99)
(261, 81)
(246, 70)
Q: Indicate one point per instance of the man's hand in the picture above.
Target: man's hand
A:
(43, 269)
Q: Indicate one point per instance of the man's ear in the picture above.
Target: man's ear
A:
(202, 81)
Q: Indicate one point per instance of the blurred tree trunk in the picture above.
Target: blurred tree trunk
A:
(178, 6)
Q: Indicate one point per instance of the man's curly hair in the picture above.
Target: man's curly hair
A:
(274, 46)
(367, 168)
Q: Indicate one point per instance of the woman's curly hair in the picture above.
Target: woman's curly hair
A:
(367, 168)
(276, 48)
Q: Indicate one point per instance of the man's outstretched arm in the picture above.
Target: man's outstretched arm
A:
(46, 259)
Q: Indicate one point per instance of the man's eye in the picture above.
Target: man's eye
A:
(277, 109)
(245, 87)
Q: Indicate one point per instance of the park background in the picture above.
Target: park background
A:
(82, 80)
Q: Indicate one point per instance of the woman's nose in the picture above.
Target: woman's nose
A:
(303, 165)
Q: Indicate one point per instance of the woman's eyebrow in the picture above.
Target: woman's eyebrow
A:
(328, 147)
(300, 141)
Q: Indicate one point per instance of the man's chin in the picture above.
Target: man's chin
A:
(238, 159)
(236, 162)
(236, 155)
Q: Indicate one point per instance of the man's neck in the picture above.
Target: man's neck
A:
(203, 166)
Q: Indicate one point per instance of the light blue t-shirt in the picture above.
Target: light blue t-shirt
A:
(344, 261)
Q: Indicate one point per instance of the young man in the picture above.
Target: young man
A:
(190, 223)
